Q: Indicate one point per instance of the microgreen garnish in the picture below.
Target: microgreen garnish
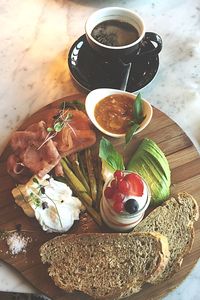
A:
(62, 120)
(60, 123)
(138, 117)
(108, 153)
(35, 180)
(75, 104)
(36, 198)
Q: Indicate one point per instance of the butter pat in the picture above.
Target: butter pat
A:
(49, 201)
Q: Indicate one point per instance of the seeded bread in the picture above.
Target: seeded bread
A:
(175, 220)
(105, 266)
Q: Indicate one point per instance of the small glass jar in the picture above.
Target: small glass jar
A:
(124, 221)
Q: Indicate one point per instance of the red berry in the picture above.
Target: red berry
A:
(118, 207)
(123, 187)
(108, 193)
(118, 175)
(113, 184)
(118, 197)
(136, 184)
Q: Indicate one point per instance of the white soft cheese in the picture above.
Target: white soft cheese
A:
(55, 209)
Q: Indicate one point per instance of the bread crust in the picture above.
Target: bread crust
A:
(192, 210)
(164, 258)
(134, 285)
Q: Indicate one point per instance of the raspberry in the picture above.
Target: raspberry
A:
(118, 206)
(108, 193)
(118, 175)
(118, 197)
(113, 184)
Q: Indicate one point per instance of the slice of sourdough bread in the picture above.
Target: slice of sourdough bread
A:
(103, 265)
(175, 220)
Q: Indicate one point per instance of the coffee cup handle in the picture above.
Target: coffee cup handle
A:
(152, 37)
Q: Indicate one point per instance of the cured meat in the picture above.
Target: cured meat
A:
(59, 170)
(17, 170)
(76, 135)
(37, 151)
(29, 153)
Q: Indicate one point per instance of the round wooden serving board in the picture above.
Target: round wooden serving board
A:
(184, 162)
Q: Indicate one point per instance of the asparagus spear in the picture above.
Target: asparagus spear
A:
(78, 187)
(73, 159)
(68, 183)
(100, 183)
(90, 210)
(94, 214)
(67, 162)
(82, 164)
(91, 174)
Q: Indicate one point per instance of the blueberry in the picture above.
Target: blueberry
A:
(131, 206)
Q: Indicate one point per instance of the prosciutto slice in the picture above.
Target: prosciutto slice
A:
(17, 170)
(76, 135)
(28, 153)
(36, 152)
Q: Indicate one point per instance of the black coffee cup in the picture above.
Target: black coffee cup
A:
(126, 18)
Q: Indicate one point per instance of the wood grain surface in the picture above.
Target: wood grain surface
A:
(184, 162)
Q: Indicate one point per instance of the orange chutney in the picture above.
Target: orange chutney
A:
(114, 113)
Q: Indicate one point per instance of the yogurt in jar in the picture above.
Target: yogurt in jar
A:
(125, 199)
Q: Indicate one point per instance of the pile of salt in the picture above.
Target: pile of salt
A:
(16, 243)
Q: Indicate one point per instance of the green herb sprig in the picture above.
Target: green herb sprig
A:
(36, 198)
(38, 201)
(138, 117)
(62, 119)
(60, 123)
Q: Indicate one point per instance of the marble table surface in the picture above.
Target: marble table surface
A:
(35, 38)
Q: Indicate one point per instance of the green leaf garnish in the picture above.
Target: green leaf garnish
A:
(108, 153)
(130, 132)
(138, 117)
(137, 109)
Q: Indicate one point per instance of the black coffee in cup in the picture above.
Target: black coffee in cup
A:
(115, 33)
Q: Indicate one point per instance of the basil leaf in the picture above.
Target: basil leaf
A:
(137, 109)
(131, 132)
(108, 153)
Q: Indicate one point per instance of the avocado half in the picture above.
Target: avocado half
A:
(150, 162)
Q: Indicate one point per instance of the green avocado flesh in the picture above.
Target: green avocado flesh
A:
(150, 162)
